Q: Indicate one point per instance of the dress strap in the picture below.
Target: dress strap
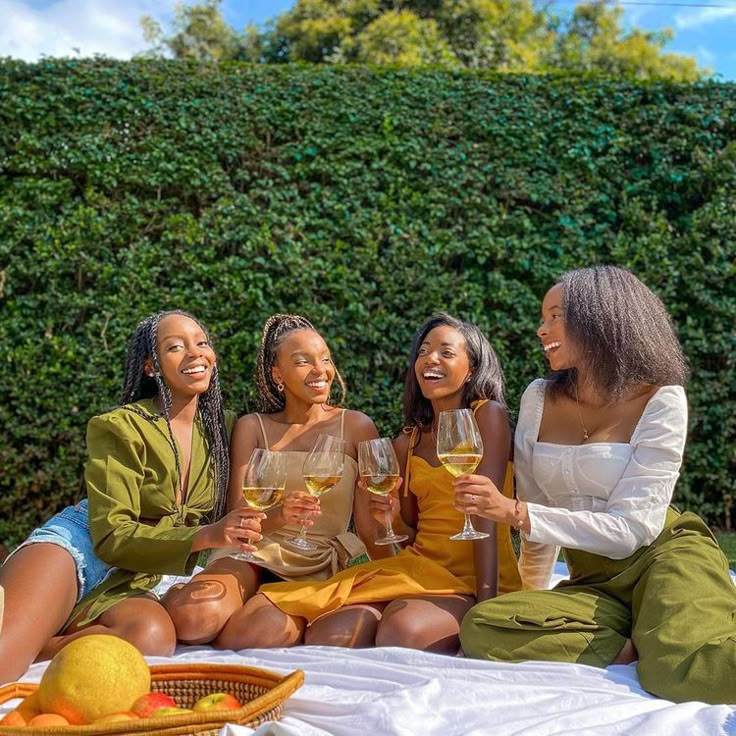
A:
(477, 405)
(263, 431)
(342, 424)
(409, 453)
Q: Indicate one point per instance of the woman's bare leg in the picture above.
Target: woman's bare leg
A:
(201, 608)
(352, 626)
(141, 620)
(431, 624)
(40, 583)
(259, 624)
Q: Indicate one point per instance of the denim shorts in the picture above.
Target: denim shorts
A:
(70, 529)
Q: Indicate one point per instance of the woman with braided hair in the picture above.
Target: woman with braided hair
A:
(157, 465)
(294, 375)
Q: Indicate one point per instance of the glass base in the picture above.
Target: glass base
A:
(300, 543)
(391, 539)
(246, 556)
(469, 534)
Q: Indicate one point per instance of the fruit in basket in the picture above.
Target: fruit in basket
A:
(171, 711)
(121, 715)
(92, 677)
(28, 708)
(216, 701)
(149, 703)
(43, 720)
(14, 718)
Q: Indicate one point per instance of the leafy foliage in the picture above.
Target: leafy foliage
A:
(365, 199)
(503, 35)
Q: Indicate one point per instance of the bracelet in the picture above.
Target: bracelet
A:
(518, 512)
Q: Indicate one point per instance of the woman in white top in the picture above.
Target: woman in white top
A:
(598, 449)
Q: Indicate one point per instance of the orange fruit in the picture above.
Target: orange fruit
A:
(48, 719)
(14, 718)
(30, 706)
(93, 676)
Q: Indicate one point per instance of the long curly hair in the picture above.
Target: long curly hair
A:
(138, 385)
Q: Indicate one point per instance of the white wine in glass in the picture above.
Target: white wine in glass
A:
(322, 470)
(379, 468)
(263, 484)
(460, 449)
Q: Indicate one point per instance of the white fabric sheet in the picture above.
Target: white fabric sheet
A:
(392, 691)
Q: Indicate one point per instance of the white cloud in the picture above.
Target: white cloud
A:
(704, 16)
(71, 27)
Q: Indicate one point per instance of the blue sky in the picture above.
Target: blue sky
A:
(31, 28)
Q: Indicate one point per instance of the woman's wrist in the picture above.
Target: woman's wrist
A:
(519, 515)
(201, 539)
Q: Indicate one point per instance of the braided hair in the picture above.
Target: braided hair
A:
(210, 413)
(623, 332)
(277, 327)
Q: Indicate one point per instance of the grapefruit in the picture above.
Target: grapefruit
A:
(93, 676)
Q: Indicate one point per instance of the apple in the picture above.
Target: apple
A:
(121, 715)
(149, 703)
(216, 701)
(169, 711)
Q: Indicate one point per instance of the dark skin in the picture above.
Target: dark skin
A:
(587, 417)
(40, 581)
(220, 604)
(430, 623)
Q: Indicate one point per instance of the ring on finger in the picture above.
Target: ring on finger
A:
(240, 523)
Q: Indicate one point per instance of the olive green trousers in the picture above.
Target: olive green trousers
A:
(674, 599)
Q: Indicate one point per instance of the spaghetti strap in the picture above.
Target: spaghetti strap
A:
(342, 424)
(263, 431)
(409, 453)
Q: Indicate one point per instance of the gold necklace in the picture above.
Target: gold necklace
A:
(580, 414)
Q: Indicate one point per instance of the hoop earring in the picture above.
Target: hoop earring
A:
(280, 387)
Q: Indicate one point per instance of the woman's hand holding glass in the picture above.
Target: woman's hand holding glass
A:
(322, 470)
(239, 528)
(460, 449)
(263, 485)
(477, 494)
(379, 475)
(300, 507)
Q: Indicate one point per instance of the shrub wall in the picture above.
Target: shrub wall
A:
(366, 199)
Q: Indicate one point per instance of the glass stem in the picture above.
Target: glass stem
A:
(468, 525)
(389, 525)
(302, 533)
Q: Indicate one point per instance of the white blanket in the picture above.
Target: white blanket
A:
(408, 693)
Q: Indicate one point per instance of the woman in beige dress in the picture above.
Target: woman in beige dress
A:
(295, 374)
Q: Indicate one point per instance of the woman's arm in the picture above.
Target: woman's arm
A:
(358, 428)
(636, 508)
(114, 474)
(493, 422)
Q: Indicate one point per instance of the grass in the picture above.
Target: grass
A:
(728, 545)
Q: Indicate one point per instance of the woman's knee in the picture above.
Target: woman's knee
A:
(260, 625)
(149, 627)
(353, 627)
(197, 619)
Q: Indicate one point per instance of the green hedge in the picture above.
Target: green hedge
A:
(366, 199)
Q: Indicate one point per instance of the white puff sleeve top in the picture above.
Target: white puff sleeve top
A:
(608, 498)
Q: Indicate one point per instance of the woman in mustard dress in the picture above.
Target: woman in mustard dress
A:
(295, 374)
(418, 597)
(157, 465)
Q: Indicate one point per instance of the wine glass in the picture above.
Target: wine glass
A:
(263, 484)
(379, 468)
(322, 470)
(460, 449)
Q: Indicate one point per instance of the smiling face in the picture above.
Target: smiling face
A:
(304, 367)
(185, 356)
(442, 366)
(558, 349)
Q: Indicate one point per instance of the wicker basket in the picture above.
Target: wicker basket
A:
(262, 693)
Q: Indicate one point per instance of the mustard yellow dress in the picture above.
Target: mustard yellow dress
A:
(433, 565)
